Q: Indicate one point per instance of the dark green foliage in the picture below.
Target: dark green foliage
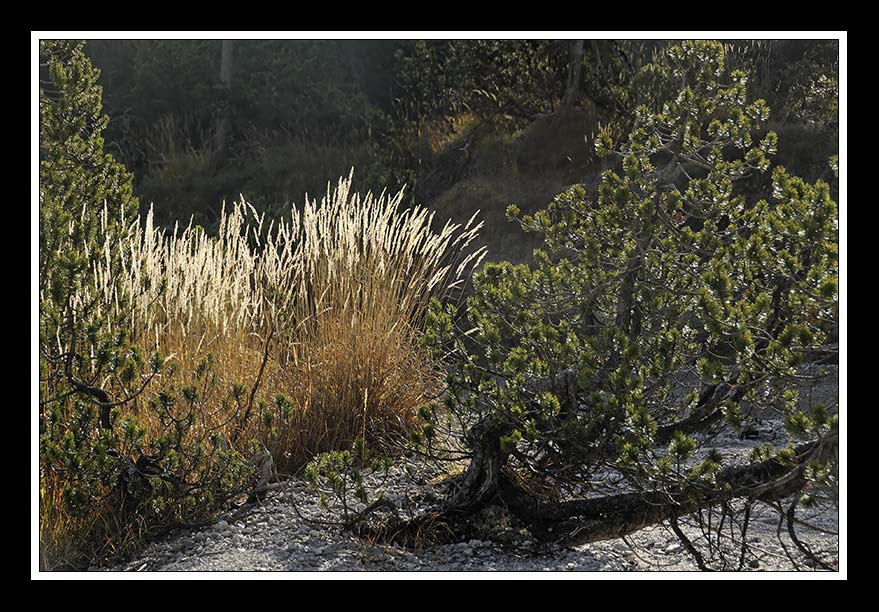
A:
(338, 477)
(499, 80)
(104, 482)
(673, 281)
(807, 90)
(85, 202)
(800, 81)
(76, 177)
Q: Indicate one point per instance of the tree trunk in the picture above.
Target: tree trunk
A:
(705, 414)
(575, 69)
(589, 520)
(479, 483)
(583, 521)
(226, 87)
(226, 63)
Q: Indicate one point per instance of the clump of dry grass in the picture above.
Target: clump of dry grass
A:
(310, 321)
(300, 334)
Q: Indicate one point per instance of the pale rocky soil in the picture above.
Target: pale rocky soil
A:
(275, 536)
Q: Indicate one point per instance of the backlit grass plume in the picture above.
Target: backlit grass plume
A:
(314, 315)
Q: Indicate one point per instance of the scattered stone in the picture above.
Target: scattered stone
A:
(621, 546)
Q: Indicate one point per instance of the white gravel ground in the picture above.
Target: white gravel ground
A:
(272, 536)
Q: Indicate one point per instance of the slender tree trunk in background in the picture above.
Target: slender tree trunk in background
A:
(575, 68)
(226, 64)
(599, 66)
(226, 87)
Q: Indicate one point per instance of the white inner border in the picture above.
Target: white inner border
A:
(454, 34)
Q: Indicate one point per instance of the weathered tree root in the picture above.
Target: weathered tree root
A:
(590, 520)
(583, 521)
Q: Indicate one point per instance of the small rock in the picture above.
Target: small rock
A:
(221, 526)
(621, 546)
(753, 564)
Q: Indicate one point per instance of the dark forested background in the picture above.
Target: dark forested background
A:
(466, 124)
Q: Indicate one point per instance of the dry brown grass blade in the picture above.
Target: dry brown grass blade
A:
(344, 282)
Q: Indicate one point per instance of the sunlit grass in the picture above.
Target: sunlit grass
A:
(300, 334)
(316, 315)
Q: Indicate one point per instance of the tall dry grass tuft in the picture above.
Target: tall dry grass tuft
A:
(366, 272)
(309, 323)
(299, 335)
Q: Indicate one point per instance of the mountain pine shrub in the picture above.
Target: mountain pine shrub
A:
(672, 302)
